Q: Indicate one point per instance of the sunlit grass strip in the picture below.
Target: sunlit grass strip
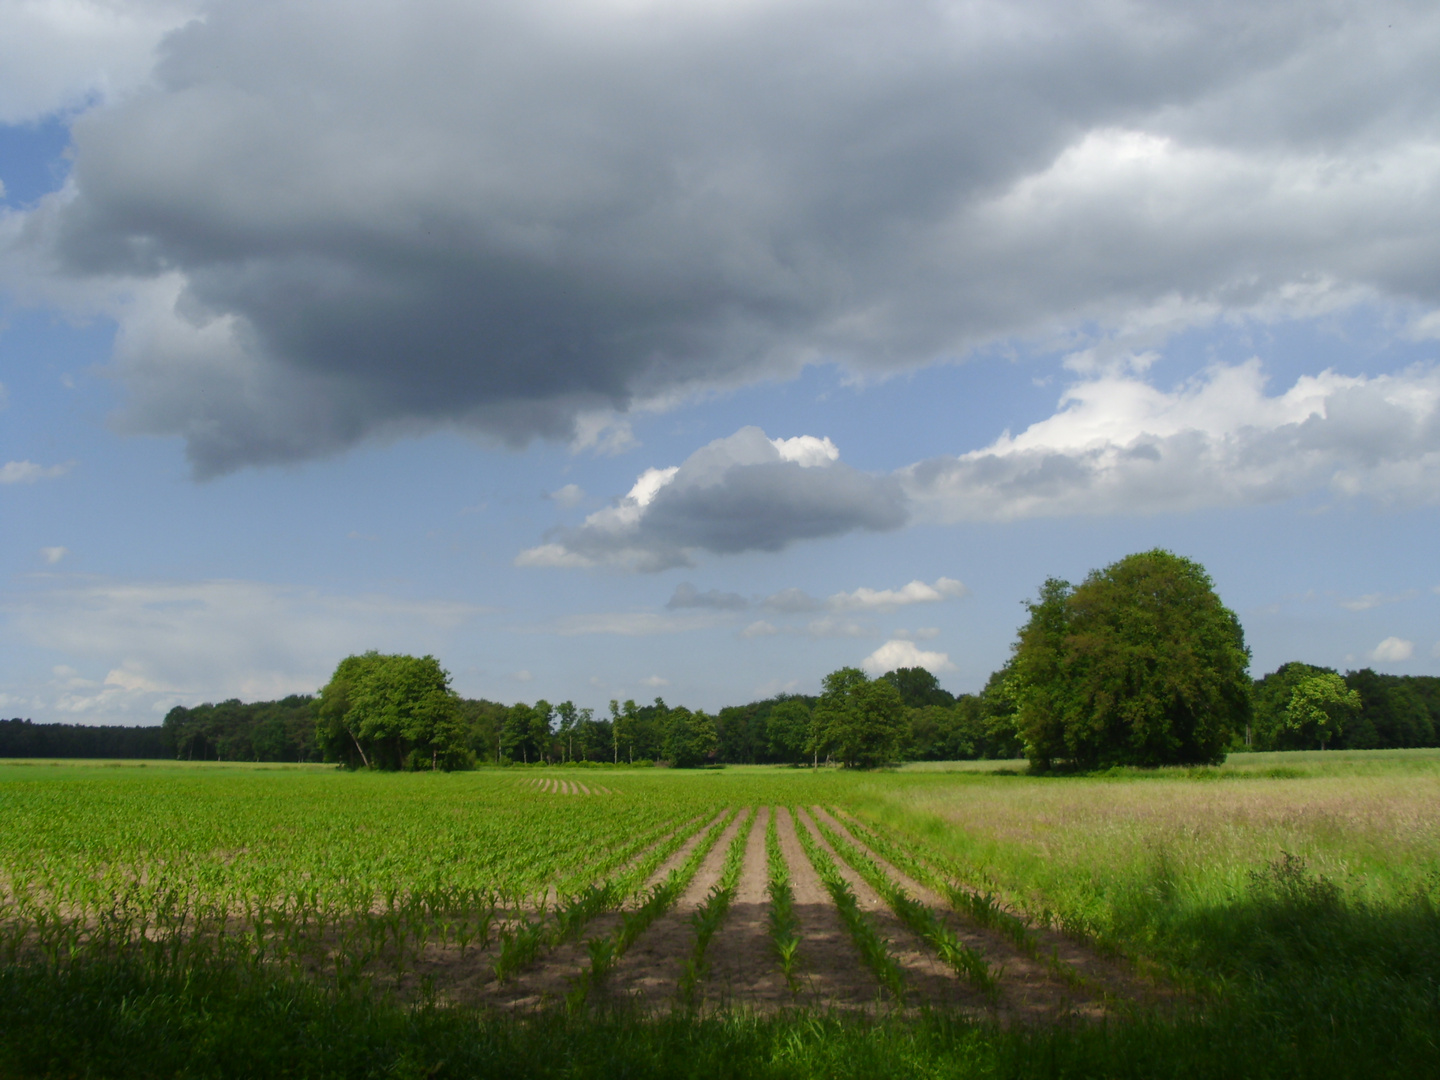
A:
(923, 922)
(711, 913)
(605, 951)
(873, 948)
(784, 926)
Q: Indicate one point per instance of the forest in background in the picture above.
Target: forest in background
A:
(1395, 711)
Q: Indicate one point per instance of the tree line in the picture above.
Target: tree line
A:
(1139, 664)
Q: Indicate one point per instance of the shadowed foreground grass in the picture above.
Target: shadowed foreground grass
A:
(237, 1020)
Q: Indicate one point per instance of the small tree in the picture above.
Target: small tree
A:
(1320, 706)
(690, 738)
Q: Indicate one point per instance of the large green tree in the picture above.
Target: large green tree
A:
(861, 721)
(1140, 664)
(391, 712)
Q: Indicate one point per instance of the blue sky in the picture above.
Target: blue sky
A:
(698, 350)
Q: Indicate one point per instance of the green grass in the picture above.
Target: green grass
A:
(229, 1020)
(1296, 896)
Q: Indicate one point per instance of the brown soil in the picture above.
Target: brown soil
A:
(928, 980)
(832, 975)
(744, 971)
(1103, 982)
(648, 974)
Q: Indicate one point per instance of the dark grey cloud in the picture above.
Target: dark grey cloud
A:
(324, 222)
(687, 596)
(742, 493)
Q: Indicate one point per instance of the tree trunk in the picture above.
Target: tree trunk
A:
(356, 741)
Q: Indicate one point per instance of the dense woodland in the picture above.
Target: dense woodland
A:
(1395, 711)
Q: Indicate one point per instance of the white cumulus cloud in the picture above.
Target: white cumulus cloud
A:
(1393, 650)
(917, 592)
(1119, 445)
(901, 653)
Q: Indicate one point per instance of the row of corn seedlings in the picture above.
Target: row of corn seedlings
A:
(783, 923)
(606, 950)
(520, 945)
(708, 917)
(874, 950)
(921, 921)
(984, 909)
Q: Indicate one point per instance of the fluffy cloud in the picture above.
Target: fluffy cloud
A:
(742, 493)
(1119, 445)
(1393, 650)
(917, 592)
(320, 222)
(900, 653)
(53, 555)
(166, 643)
(63, 54)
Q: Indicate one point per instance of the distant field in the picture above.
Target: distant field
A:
(1249, 901)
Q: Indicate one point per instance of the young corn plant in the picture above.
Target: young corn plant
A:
(921, 921)
(657, 901)
(520, 946)
(711, 914)
(982, 908)
(784, 926)
(873, 948)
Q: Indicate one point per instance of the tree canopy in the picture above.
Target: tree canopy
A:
(391, 712)
(1140, 664)
(860, 721)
